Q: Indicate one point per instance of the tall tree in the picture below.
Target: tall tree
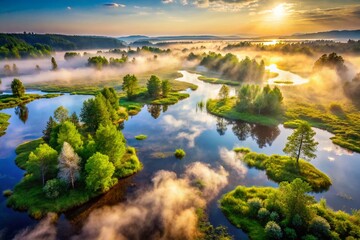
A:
(61, 114)
(50, 125)
(301, 143)
(69, 133)
(69, 164)
(166, 88)
(224, 92)
(111, 142)
(17, 88)
(42, 161)
(54, 64)
(130, 84)
(74, 119)
(99, 171)
(154, 86)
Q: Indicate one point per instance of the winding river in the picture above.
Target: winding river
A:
(204, 137)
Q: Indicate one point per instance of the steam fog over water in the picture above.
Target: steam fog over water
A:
(161, 199)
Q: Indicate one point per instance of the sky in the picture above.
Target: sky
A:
(179, 17)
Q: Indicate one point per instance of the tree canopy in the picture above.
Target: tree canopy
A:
(17, 88)
(130, 83)
(154, 86)
(68, 133)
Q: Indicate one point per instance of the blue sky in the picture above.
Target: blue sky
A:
(172, 17)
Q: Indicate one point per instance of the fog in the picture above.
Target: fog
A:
(166, 210)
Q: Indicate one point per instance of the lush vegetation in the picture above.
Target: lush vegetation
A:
(287, 213)
(218, 81)
(10, 101)
(71, 55)
(4, 123)
(252, 104)
(141, 137)
(179, 153)
(231, 68)
(282, 168)
(74, 162)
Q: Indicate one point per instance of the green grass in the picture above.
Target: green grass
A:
(9, 101)
(141, 137)
(283, 168)
(4, 123)
(179, 153)
(218, 81)
(28, 194)
(345, 124)
(227, 109)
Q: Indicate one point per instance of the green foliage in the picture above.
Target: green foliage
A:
(130, 84)
(70, 55)
(53, 188)
(42, 162)
(7, 193)
(4, 123)
(17, 87)
(141, 137)
(232, 68)
(165, 88)
(54, 65)
(332, 61)
(98, 62)
(69, 133)
(129, 164)
(154, 86)
(179, 153)
(111, 142)
(273, 231)
(218, 81)
(263, 214)
(99, 172)
(61, 114)
(254, 206)
(301, 143)
(320, 227)
(50, 125)
(224, 92)
(290, 233)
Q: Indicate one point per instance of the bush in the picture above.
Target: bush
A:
(254, 206)
(141, 137)
(7, 193)
(179, 153)
(320, 227)
(263, 214)
(274, 216)
(309, 237)
(53, 188)
(273, 231)
(290, 233)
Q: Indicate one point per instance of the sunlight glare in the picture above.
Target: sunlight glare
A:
(279, 11)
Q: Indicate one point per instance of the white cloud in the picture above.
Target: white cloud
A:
(231, 159)
(114, 5)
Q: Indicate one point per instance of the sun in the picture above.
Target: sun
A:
(279, 11)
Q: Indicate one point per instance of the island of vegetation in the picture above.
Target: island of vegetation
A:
(141, 137)
(4, 123)
(19, 97)
(252, 104)
(287, 213)
(74, 162)
(179, 153)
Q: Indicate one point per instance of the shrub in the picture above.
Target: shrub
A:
(273, 231)
(309, 237)
(179, 153)
(290, 233)
(141, 137)
(254, 206)
(274, 216)
(263, 214)
(53, 188)
(320, 227)
(7, 193)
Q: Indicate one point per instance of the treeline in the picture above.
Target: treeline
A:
(230, 67)
(100, 61)
(12, 47)
(66, 42)
(309, 48)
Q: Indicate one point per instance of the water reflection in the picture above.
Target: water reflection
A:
(154, 110)
(23, 112)
(221, 126)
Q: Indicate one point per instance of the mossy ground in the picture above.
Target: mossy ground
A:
(9, 101)
(28, 194)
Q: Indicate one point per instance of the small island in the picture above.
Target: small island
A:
(74, 161)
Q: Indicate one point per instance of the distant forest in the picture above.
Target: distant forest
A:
(37, 45)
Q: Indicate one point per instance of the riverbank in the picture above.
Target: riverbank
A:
(4, 123)
(28, 194)
(10, 101)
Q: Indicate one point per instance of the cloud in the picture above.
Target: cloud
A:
(232, 160)
(114, 5)
(173, 122)
(223, 5)
(190, 136)
(69, 8)
(44, 230)
(167, 1)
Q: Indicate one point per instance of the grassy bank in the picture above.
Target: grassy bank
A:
(238, 206)
(214, 80)
(341, 120)
(9, 101)
(28, 194)
(4, 118)
(283, 168)
(227, 109)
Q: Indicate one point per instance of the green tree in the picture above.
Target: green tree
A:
(111, 96)
(98, 62)
(301, 143)
(74, 119)
(99, 172)
(130, 84)
(51, 124)
(54, 64)
(166, 88)
(42, 162)
(111, 142)
(69, 133)
(224, 92)
(294, 199)
(154, 86)
(273, 230)
(69, 164)
(17, 88)
(61, 114)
